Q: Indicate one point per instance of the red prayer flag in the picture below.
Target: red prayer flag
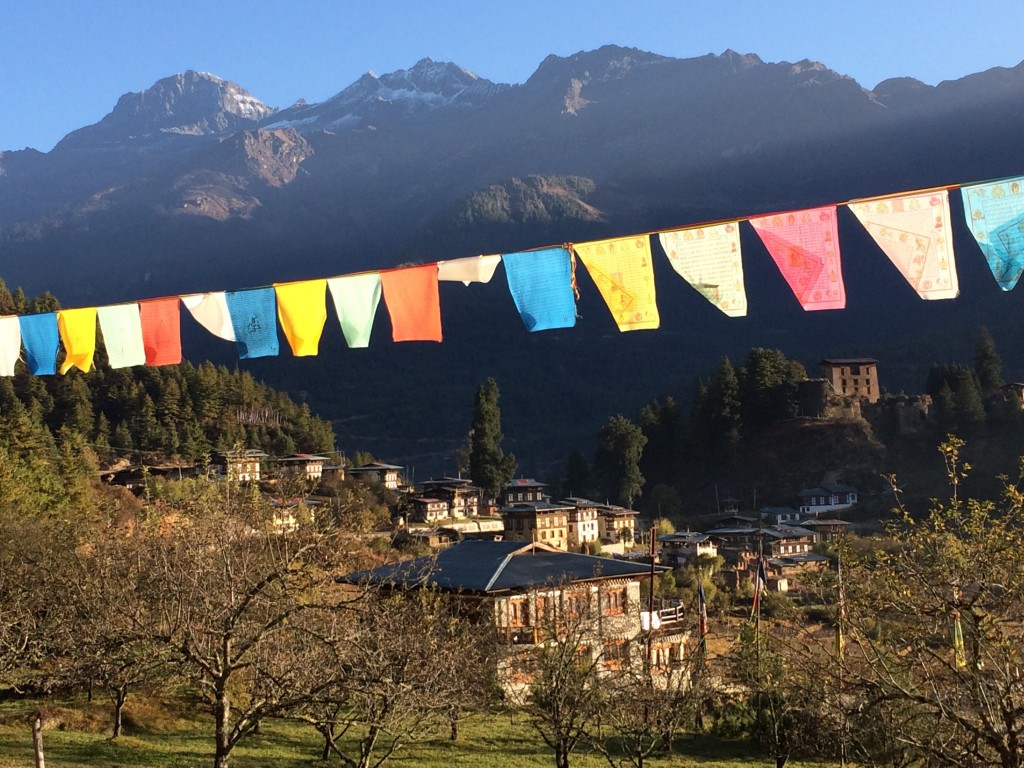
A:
(411, 296)
(161, 330)
(805, 246)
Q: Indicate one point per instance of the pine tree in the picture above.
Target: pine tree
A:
(987, 364)
(490, 467)
(617, 459)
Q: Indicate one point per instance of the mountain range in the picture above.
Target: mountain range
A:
(194, 184)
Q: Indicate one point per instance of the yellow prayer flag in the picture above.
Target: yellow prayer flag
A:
(302, 312)
(78, 333)
(624, 275)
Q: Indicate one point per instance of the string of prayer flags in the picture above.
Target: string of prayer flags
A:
(10, 344)
(623, 272)
(210, 310)
(77, 329)
(121, 326)
(542, 287)
(253, 316)
(472, 269)
(302, 312)
(41, 338)
(355, 300)
(914, 232)
(995, 216)
(708, 258)
(413, 301)
(161, 330)
(805, 247)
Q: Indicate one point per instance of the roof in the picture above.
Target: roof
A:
(815, 522)
(297, 457)
(373, 466)
(688, 536)
(534, 507)
(526, 482)
(827, 489)
(489, 567)
(848, 361)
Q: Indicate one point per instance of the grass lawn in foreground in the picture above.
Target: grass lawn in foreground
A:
(78, 737)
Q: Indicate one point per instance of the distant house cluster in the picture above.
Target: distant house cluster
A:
(784, 536)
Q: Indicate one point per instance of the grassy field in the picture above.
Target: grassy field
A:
(75, 737)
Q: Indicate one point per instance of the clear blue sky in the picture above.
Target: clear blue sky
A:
(64, 63)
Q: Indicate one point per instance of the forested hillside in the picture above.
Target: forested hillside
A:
(173, 412)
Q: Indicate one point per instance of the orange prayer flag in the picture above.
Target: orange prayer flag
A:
(161, 330)
(413, 302)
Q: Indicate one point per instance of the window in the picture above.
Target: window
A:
(613, 602)
(614, 654)
(855, 370)
(523, 667)
(577, 605)
(517, 612)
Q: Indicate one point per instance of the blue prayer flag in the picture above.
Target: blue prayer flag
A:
(541, 286)
(41, 338)
(254, 319)
(995, 216)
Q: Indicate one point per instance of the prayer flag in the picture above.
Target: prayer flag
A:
(78, 332)
(624, 275)
(760, 586)
(702, 614)
(411, 296)
(841, 618)
(161, 330)
(914, 232)
(355, 300)
(122, 335)
(542, 287)
(959, 653)
(805, 247)
(473, 269)
(253, 316)
(210, 310)
(708, 258)
(41, 339)
(995, 216)
(10, 344)
(302, 312)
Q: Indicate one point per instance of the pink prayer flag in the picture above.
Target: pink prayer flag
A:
(413, 301)
(161, 330)
(805, 247)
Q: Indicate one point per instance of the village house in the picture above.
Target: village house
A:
(539, 521)
(827, 529)
(306, 465)
(460, 495)
(244, 466)
(523, 489)
(616, 527)
(377, 473)
(530, 593)
(583, 525)
(428, 510)
(679, 549)
(824, 499)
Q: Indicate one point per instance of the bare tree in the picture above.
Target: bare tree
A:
(237, 601)
(406, 663)
(556, 680)
(936, 626)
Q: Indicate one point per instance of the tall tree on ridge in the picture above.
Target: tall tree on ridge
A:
(490, 467)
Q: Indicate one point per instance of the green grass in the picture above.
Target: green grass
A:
(182, 740)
